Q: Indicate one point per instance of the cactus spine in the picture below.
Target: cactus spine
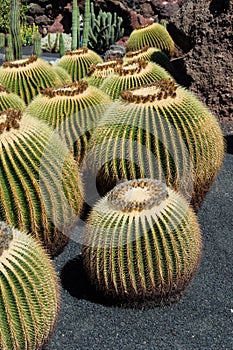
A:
(162, 131)
(142, 243)
(15, 28)
(29, 292)
(40, 187)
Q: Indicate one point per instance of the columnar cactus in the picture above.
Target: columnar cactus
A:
(15, 28)
(99, 71)
(150, 54)
(10, 100)
(37, 51)
(162, 131)
(86, 23)
(29, 292)
(77, 62)
(153, 35)
(40, 187)
(131, 75)
(28, 76)
(73, 110)
(142, 243)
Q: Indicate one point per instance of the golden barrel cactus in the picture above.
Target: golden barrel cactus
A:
(41, 191)
(77, 62)
(161, 131)
(73, 110)
(26, 77)
(142, 243)
(10, 100)
(153, 35)
(29, 292)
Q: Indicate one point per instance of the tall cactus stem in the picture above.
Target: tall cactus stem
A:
(86, 23)
(15, 28)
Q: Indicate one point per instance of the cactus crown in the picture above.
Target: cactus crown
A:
(6, 236)
(79, 51)
(146, 25)
(134, 67)
(100, 67)
(158, 90)
(76, 88)
(137, 195)
(24, 62)
(9, 119)
(137, 52)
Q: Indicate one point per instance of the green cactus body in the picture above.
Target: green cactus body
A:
(72, 110)
(29, 292)
(15, 28)
(63, 75)
(2, 40)
(131, 75)
(61, 45)
(86, 23)
(99, 71)
(150, 54)
(161, 131)
(75, 24)
(153, 35)
(40, 188)
(77, 62)
(10, 100)
(9, 54)
(37, 44)
(142, 244)
(28, 76)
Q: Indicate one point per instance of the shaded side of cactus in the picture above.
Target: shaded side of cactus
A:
(153, 35)
(28, 76)
(131, 75)
(142, 243)
(15, 28)
(40, 186)
(37, 44)
(29, 291)
(10, 100)
(159, 131)
(77, 62)
(99, 71)
(86, 23)
(151, 54)
(73, 110)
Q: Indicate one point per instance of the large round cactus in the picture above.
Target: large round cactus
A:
(28, 76)
(78, 61)
(132, 74)
(10, 100)
(142, 243)
(153, 35)
(160, 131)
(151, 54)
(99, 71)
(29, 292)
(40, 187)
(73, 110)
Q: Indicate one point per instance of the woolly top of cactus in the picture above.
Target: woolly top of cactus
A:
(80, 51)
(161, 90)
(134, 67)
(137, 195)
(3, 89)
(99, 67)
(137, 52)
(21, 63)
(9, 119)
(76, 88)
(6, 236)
(146, 25)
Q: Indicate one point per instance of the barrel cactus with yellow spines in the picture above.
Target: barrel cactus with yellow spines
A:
(41, 191)
(77, 62)
(162, 131)
(73, 110)
(29, 292)
(142, 243)
(28, 76)
(153, 35)
(63, 75)
(131, 75)
(10, 100)
(150, 54)
(99, 71)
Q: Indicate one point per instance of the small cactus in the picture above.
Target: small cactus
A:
(153, 35)
(131, 75)
(77, 62)
(142, 243)
(73, 110)
(29, 291)
(162, 131)
(10, 100)
(40, 187)
(28, 76)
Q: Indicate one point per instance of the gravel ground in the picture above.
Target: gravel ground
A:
(201, 320)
